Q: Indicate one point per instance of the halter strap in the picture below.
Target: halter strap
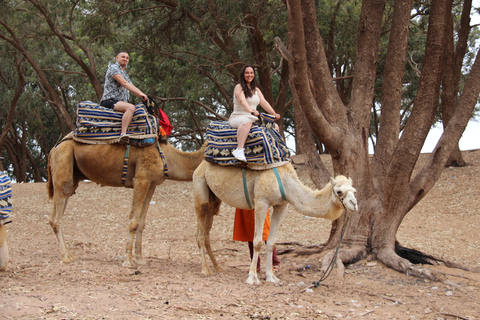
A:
(165, 168)
(125, 164)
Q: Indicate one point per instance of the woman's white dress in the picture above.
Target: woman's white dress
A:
(239, 115)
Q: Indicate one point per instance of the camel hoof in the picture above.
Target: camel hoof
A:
(253, 279)
(207, 272)
(69, 258)
(219, 269)
(272, 278)
(128, 264)
(141, 262)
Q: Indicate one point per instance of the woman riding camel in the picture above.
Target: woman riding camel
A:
(246, 98)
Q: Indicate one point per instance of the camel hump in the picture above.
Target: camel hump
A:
(264, 148)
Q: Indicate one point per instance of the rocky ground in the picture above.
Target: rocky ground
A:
(37, 285)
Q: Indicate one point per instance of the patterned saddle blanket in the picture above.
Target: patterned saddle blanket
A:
(100, 125)
(264, 148)
(5, 195)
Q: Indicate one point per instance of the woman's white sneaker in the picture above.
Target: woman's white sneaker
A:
(239, 154)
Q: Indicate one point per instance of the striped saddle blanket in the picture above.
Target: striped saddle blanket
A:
(5, 195)
(264, 148)
(96, 124)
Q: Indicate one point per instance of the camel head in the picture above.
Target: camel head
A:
(344, 193)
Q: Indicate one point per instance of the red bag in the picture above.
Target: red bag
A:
(165, 122)
(155, 110)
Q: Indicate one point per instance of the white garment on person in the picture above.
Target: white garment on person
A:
(239, 115)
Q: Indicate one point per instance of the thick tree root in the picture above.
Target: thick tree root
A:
(403, 260)
(418, 257)
(390, 259)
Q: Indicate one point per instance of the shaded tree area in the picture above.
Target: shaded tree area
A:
(186, 54)
(391, 183)
(54, 46)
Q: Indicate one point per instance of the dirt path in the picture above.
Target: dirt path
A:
(38, 286)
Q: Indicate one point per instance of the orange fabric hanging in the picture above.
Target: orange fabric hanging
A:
(244, 225)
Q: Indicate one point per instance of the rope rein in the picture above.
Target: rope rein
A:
(329, 269)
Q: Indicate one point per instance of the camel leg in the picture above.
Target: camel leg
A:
(60, 203)
(201, 197)
(3, 248)
(139, 235)
(205, 213)
(140, 190)
(260, 214)
(64, 185)
(206, 207)
(213, 211)
(201, 217)
(277, 217)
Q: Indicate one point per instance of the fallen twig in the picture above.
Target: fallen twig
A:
(453, 315)
(366, 312)
(390, 299)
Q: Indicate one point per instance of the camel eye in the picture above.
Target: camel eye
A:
(339, 192)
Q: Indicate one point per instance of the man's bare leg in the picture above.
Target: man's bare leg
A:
(128, 109)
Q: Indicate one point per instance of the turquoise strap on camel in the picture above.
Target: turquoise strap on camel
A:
(245, 189)
(280, 185)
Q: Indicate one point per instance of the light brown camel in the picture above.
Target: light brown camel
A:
(3, 247)
(71, 161)
(213, 184)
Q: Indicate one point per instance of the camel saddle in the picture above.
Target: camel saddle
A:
(100, 125)
(5, 195)
(264, 148)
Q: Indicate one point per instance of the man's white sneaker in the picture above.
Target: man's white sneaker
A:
(239, 154)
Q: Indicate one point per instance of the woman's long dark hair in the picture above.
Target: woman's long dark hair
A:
(246, 90)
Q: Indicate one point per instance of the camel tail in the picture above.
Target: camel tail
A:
(49, 181)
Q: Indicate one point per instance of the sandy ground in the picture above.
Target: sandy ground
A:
(37, 285)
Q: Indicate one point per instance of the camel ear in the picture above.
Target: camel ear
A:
(350, 179)
(332, 181)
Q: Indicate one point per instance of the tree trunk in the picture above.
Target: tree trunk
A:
(387, 187)
(451, 78)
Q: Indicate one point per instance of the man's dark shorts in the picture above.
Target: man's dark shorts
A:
(110, 103)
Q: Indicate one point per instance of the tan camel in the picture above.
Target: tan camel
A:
(213, 184)
(3, 247)
(71, 162)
